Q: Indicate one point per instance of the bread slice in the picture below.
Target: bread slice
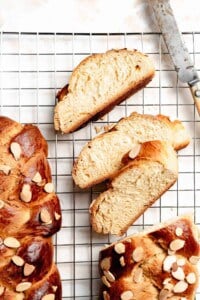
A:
(98, 83)
(102, 157)
(140, 266)
(136, 187)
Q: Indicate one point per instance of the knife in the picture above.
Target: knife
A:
(183, 64)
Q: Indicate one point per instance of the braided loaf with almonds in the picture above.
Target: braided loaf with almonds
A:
(29, 215)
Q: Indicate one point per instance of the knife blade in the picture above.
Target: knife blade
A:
(164, 17)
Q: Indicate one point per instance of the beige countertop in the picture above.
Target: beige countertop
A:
(91, 16)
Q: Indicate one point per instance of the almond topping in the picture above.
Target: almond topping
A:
(1, 204)
(180, 287)
(194, 259)
(106, 296)
(16, 150)
(127, 295)
(57, 216)
(45, 216)
(54, 288)
(105, 281)
(181, 262)
(138, 275)
(178, 274)
(191, 278)
(26, 193)
(164, 294)
(168, 286)
(2, 288)
(23, 286)
(105, 263)
(122, 261)
(109, 276)
(49, 297)
(170, 252)
(179, 231)
(168, 262)
(138, 254)
(119, 248)
(28, 269)
(134, 151)
(177, 244)
(166, 280)
(5, 169)
(37, 178)
(49, 187)
(11, 242)
(20, 296)
(17, 260)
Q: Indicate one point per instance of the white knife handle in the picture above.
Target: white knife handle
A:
(195, 90)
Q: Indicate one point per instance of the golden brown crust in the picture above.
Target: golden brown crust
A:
(154, 246)
(31, 222)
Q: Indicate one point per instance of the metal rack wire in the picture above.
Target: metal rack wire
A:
(33, 67)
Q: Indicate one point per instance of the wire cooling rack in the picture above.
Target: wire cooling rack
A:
(33, 67)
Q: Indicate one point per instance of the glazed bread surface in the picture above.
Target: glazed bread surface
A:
(102, 157)
(135, 188)
(29, 215)
(98, 83)
(157, 264)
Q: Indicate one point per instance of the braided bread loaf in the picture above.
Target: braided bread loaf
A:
(29, 215)
(160, 263)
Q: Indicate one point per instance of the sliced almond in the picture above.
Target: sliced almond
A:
(20, 296)
(17, 260)
(181, 262)
(49, 297)
(28, 269)
(119, 248)
(105, 263)
(179, 231)
(177, 244)
(45, 216)
(166, 280)
(134, 151)
(168, 286)
(2, 289)
(191, 278)
(2, 203)
(54, 288)
(170, 252)
(168, 262)
(164, 294)
(11, 242)
(127, 295)
(138, 275)
(37, 177)
(57, 216)
(122, 261)
(179, 274)
(138, 254)
(49, 187)
(180, 287)
(42, 182)
(194, 259)
(106, 296)
(23, 286)
(26, 193)
(16, 150)
(105, 281)
(5, 169)
(109, 276)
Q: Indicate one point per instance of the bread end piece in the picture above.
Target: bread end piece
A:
(98, 83)
(136, 187)
(138, 262)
